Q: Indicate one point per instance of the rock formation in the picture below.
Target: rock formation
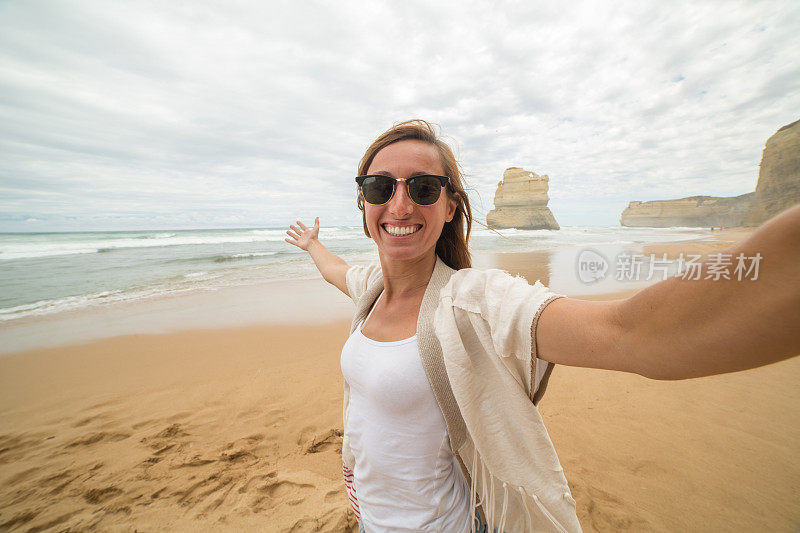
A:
(695, 211)
(778, 189)
(521, 202)
(778, 185)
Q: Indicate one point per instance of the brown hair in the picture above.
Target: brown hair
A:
(453, 244)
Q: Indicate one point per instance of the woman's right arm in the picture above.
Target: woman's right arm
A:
(332, 267)
(688, 328)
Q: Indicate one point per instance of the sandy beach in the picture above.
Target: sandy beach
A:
(203, 430)
(239, 428)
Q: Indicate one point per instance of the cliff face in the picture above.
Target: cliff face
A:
(779, 176)
(695, 211)
(778, 189)
(521, 202)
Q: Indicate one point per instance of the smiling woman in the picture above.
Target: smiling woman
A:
(445, 364)
(402, 228)
(398, 150)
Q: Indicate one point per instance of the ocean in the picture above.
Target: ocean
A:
(50, 273)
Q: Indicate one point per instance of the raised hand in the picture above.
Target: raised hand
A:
(302, 237)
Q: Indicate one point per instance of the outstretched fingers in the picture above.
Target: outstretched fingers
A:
(302, 235)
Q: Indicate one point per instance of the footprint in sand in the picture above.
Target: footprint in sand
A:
(283, 489)
(101, 495)
(216, 486)
(21, 476)
(59, 481)
(107, 403)
(172, 431)
(18, 520)
(609, 513)
(93, 438)
(332, 440)
(16, 447)
(194, 461)
(236, 456)
(333, 520)
(280, 491)
(90, 419)
(50, 524)
(274, 417)
(142, 423)
(261, 477)
(116, 509)
(164, 449)
(252, 439)
(167, 443)
(165, 438)
(305, 434)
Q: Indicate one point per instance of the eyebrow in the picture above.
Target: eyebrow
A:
(417, 173)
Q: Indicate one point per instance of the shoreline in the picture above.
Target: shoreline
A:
(263, 304)
(274, 302)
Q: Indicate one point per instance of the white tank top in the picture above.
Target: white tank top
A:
(406, 476)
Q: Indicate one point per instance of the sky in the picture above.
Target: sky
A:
(156, 115)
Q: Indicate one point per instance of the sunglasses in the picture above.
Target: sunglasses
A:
(378, 189)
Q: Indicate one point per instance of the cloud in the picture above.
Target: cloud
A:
(252, 114)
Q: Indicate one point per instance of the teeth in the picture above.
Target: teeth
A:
(399, 231)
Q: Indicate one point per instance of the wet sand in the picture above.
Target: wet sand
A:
(229, 429)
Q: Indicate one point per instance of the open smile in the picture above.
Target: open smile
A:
(401, 231)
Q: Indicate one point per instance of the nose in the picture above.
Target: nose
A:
(401, 205)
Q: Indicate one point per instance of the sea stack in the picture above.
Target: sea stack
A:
(521, 202)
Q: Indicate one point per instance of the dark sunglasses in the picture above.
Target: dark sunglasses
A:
(378, 189)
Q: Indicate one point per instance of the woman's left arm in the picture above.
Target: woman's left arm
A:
(682, 328)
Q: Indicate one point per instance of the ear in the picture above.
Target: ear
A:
(452, 205)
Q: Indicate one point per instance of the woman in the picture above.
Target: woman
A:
(445, 364)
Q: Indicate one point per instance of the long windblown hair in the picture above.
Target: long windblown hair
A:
(452, 247)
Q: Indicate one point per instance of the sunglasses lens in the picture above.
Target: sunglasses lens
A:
(424, 190)
(377, 189)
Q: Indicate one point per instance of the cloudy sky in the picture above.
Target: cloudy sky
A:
(134, 115)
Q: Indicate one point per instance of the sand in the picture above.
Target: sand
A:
(716, 241)
(204, 430)
(240, 429)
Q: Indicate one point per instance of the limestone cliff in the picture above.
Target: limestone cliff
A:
(521, 202)
(778, 185)
(778, 189)
(695, 211)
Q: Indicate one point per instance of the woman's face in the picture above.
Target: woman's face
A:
(403, 159)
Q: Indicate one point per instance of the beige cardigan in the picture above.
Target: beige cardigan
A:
(474, 336)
